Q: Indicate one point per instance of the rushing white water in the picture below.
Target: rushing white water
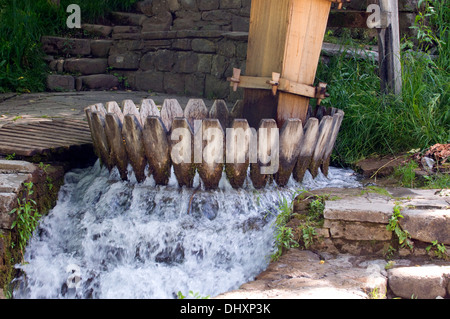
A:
(112, 239)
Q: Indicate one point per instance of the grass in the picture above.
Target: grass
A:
(23, 22)
(381, 124)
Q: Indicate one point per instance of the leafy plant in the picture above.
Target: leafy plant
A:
(407, 174)
(27, 218)
(284, 236)
(191, 295)
(439, 250)
(394, 226)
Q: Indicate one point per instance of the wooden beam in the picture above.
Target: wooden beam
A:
(389, 49)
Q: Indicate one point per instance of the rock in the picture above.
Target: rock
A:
(95, 29)
(86, 66)
(425, 282)
(304, 274)
(127, 61)
(374, 167)
(126, 18)
(230, 4)
(205, 5)
(145, 7)
(186, 62)
(358, 231)
(100, 48)
(149, 81)
(203, 45)
(16, 167)
(359, 209)
(60, 82)
(99, 81)
(174, 83)
(66, 46)
(126, 29)
(427, 225)
(161, 22)
(164, 60)
(8, 201)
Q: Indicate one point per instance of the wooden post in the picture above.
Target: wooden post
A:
(322, 141)
(389, 49)
(181, 152)
(211, 167)
(113, 130)
(285, 37)
(157, 149)
(239, 142)
(307, 147)
(290, 138)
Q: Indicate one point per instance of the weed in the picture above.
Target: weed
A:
(407, 174)
(439, 250)
(394, 226)
(284, 236)
(191, 295)
(27, 218)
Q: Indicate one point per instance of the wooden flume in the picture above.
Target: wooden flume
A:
(145, 137)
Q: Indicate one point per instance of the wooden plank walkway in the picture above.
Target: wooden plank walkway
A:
(43, 137)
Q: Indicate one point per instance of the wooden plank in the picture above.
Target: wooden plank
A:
(157, 149)
(170, 110)
(113, 107)
(118, 153)
(181, 152)
(132, 134)
(322, 141)
(307, 26)
(265, 139)
(241, 143)
(237, 111)
(337, 121)
(290, 138)
(389, 50)
(50, 132)
(35, 136)
(195, 110)
(88, 111)
(219, 111)
(211, 168)
(148, 108)
(307, 147)
(267, 39)
(98, 125)
(128, 107)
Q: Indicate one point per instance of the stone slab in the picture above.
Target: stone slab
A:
(8, 201)
(16, 167)
(12, 183)
(358, 231)
(360, 209)
(307, 275)
(427, 225)
(425, 282)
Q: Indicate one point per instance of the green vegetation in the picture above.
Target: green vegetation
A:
(381, 124)
(439, 250)
(191, 295)
(27, 218)
(394, 226)
(284, 235)
(23, 22)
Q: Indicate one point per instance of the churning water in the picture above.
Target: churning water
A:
(112, 239)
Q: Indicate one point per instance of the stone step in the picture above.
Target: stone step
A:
(425, 215)
(304, 274)
(58, 82)
(420, 282)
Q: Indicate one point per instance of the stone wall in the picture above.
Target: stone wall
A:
(177, 46)
(186, 47)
